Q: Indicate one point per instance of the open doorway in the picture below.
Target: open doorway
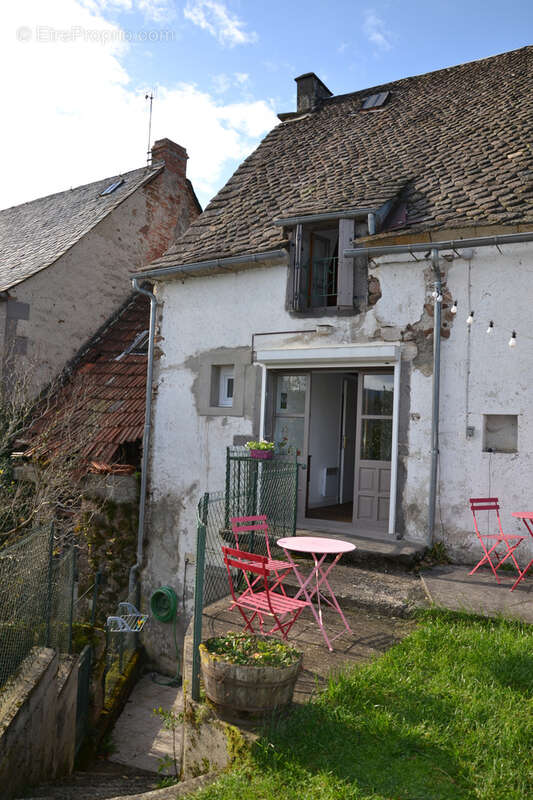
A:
(338, 424)
(332, 435)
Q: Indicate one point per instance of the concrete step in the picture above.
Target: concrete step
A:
(104, 781)
(377, 553)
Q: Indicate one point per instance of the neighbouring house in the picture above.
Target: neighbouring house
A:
(65, 259)
(276, 321)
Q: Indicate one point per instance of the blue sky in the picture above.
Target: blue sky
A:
(222, 70)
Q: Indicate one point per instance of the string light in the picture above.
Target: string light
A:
(470, 318)
(453, 309)
(490, 329)
(512, 340)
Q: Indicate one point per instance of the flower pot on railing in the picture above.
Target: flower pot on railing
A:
(262, 455)
(258, 683)
(261, 450)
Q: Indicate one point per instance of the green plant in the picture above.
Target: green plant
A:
(171, 722)
(251, 650)
(444, 715)
(261, 445)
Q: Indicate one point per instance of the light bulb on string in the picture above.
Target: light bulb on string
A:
(453, 309)
(470, 318)
(490, 329)
(439, 298)
(512, 340)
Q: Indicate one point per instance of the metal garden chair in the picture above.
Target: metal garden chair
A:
(491, 541)
(249, 525)
(259, 599)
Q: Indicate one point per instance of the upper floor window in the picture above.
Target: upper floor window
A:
(321, 279)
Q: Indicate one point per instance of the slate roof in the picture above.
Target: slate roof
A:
(35, 234)
(103, 401)
(455, 144)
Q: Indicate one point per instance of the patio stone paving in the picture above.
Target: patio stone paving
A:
(371, 635)
(452, 587)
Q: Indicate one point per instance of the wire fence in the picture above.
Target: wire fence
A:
(36, 598)
(253, 487)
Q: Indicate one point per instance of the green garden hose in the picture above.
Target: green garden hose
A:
(164, 607)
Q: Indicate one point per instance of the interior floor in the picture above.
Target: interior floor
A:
(341, 512)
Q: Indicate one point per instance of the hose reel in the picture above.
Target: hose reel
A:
(164, 608)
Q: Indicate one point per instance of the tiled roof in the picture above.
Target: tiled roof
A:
(35, 234)
(103, 401)
(456, 143)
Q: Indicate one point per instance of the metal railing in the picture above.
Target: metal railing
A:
(252, 487)
(319, 282)
(36, 598)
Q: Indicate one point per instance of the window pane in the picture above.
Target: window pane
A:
(229, 388)
(376, 439)
(290, 394)
(289, 434)
(378, 394)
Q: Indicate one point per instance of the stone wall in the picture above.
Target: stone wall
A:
(38, 722)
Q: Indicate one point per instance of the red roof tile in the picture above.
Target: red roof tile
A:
(103, 398)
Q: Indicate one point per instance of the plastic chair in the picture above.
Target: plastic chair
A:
(259, 599)
(490, 541)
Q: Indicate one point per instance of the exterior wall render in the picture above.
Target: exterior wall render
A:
(188, 449)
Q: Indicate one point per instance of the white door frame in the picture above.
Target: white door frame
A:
(349, 356)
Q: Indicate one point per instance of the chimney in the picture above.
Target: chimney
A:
(311, 91)
(174, 156)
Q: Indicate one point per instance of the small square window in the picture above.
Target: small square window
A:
(500, 433)
(222, 385)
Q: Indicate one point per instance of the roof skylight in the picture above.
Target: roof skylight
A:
(375, 100)
(112, 186)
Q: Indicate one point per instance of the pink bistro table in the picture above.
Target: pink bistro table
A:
(527, 519)
(318, 547)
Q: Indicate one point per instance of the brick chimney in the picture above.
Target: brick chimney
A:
(311, 91)
(174, 155)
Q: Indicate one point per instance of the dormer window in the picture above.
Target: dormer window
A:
(321, 280)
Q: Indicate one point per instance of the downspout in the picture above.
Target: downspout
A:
(437, 308)
(134, 582)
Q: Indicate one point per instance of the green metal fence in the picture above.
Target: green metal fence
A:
(252, 487)
(36, 598)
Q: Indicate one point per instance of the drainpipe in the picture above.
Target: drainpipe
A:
(371, 224)
(437, 308)
(134, 582)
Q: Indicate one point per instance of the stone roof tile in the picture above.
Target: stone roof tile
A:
(456, 143)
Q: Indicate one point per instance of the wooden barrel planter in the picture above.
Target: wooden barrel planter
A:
(245, 690)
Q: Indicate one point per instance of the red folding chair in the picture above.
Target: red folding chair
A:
(249, 525)
(491, 541)
(259, 599)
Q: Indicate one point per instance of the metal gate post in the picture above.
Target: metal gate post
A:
(199, 597)
(49, 586)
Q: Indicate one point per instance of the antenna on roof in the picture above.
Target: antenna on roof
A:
(149, 97)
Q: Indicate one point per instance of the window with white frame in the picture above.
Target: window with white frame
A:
(226, 383)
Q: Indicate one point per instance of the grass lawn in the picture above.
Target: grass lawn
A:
(448, 713)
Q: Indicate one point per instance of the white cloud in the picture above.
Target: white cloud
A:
(75, 117)
(214, 17)
(223, 82)
(155, 10)
(376, 32)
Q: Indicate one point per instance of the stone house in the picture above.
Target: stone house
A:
(65, 259)
(312, 302)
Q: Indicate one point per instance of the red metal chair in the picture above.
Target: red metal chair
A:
(247, 525)
(259, 599)
(490, 541)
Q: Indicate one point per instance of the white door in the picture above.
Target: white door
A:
(289, 428)
(373, 451)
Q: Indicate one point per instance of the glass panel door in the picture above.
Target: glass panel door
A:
(289, 413)
(374, 447)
